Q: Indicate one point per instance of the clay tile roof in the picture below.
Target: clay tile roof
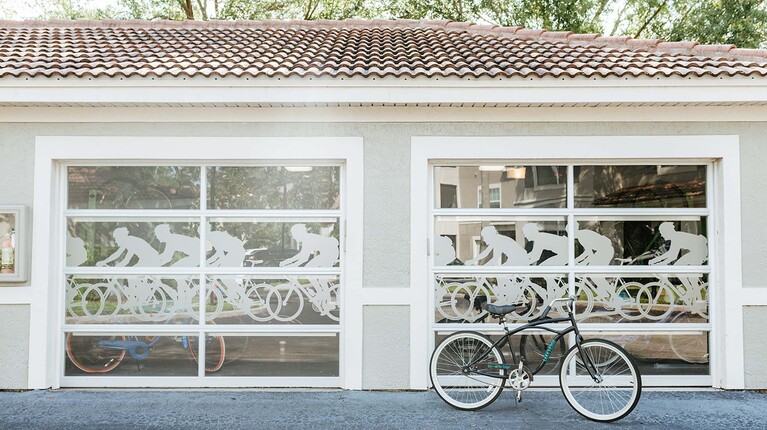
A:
(346, 49)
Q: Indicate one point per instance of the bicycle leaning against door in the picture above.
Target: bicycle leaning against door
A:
(598, 378)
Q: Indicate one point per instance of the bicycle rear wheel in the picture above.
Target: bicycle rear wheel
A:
(618, 385)
(467, 372)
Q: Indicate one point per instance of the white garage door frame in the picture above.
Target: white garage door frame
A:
(51, 152)
(727, 320)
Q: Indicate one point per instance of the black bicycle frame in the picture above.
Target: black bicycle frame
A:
(540, 323)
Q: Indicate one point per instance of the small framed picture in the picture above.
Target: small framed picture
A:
(12, 241)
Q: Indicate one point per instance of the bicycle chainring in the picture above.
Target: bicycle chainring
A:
(520, 379)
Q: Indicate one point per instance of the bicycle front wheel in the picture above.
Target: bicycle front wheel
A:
(600, 381)
(467, 372)
(215, 351)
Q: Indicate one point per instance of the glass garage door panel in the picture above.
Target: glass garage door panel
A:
(166, 264)
(274, 187)
(461, 298)
(276, 355)
(132, 299)
(133, 187)
(630, 241)
(291, 300)
(130, 354)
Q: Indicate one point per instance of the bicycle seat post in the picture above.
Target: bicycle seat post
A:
(502, 322)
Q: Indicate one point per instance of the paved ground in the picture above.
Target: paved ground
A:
(230, 409)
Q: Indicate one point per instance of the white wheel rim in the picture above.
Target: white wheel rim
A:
(485, 391)
(589, 390)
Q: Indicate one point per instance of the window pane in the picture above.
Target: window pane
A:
(644, 240)
(130, 355)
(274, 187)
(132, 299)
(8, 257)
(669, 353)
(641, 187)
(133, 187)
(273, 243)
(500, 241)
(132, 242)
(292, 300)
(278, 355)
(500, 186)
(460, 299)
(679, 299)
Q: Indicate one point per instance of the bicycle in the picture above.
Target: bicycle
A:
(598, 378)
(102, 354)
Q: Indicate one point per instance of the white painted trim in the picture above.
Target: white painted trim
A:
(385, 114)
(420, 285)
(754, 296)
(45, 356)
(196, 382)
(398, 91)
(728, 370)
(15, 296)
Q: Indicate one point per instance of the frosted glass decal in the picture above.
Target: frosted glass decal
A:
(554, 245)
(444, 252)
(174, 243)
(696, 246)
(598, 250)
(130, 247)
(228, 251)
(661, 298)
(76, 252)
(307, 300)
(131, 299)
(316, 250)
(499, 246)
(463, 299)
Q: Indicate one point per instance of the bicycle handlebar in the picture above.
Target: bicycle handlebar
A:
(570, 306)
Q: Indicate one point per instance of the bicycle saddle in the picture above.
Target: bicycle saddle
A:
(502, 310)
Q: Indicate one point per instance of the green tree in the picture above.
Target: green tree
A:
(742, 22)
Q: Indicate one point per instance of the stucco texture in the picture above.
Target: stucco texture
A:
(755, 346)
(386, 347)
(14, 346)
(386, 259)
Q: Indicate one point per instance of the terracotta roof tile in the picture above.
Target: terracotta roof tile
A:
(351, 48)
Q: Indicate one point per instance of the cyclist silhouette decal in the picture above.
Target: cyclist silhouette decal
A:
(76, 252)
(316, 251)
(174, 242)
(697, 253)
(130, 247)
(229, 251)
(598, 250)
(509, 289)
(444, 253)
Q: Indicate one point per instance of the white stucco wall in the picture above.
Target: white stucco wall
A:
(755, 346)
(14, 346)
(385, 349)
(387, 197)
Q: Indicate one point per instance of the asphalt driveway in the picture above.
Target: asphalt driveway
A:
(257, 409)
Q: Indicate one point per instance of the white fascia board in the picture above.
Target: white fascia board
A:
(385, 114)
(291, 91)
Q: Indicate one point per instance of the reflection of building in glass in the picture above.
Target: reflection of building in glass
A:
(513, 186)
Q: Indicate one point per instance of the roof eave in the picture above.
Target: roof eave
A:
(385, 91)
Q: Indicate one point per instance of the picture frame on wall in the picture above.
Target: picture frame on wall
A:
(12, 243)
